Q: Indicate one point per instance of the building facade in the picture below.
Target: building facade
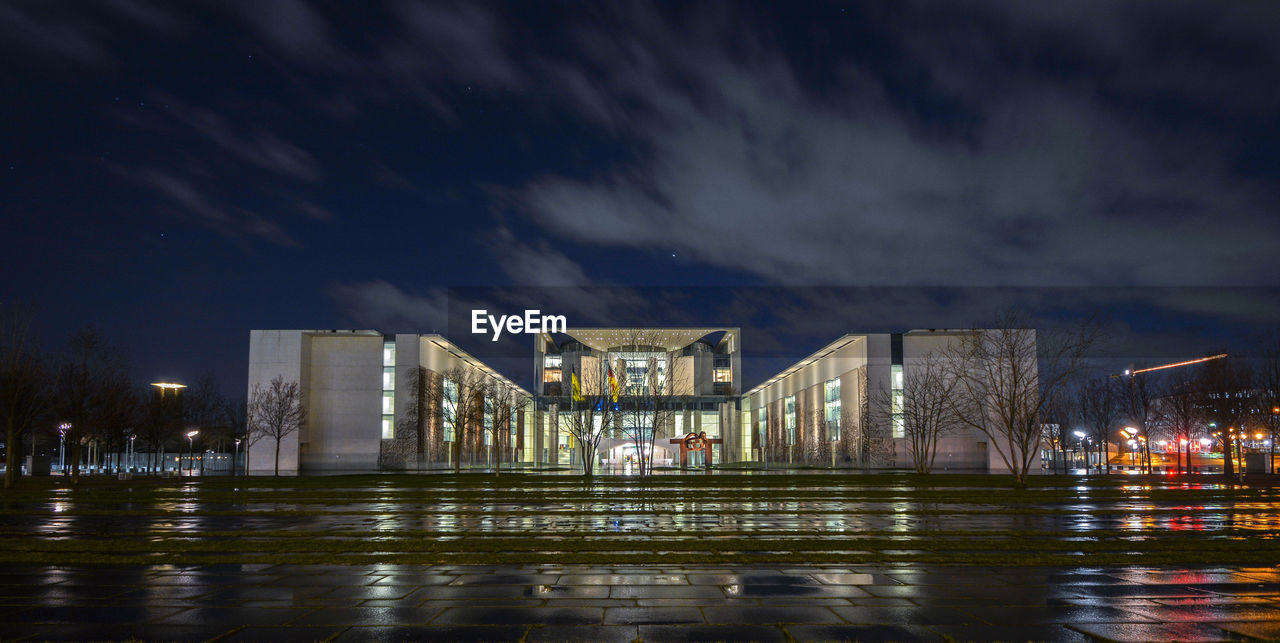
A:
(383, 402)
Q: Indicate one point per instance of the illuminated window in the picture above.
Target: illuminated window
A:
(710, 424)
(789, 416)
(722, 375)
(831, 399)
(764, 424)
(450, 408)
(388, 390)
(551, 375)
(897, 395)
(551, 361)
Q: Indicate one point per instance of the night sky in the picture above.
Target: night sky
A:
(178, 173)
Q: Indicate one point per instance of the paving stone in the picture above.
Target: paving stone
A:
(623, 579)
(896, 615)
(388, 634)
(567, 591)
(583, 633)
(1268, 631)
(652, 615)
(526, 615)
(666, 591)
(1040, 632)
(141, 632)
(469, 591)
(505, 579)
(1124, 632)
(765, 614)
(370, 616)
(113, 615)
(294, 634)
(709, 633)
(858, 632)
(415, 579)
(1210, 613)
(234, 616)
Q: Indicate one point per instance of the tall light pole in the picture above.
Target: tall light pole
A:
(191, 454)
(163, 389)
(235, 457)
(62, 443)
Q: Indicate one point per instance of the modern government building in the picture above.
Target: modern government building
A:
(839, 407)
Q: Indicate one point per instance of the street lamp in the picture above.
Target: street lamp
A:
(1080, 435)
(191, 441)
(235, 457)
(62, 443)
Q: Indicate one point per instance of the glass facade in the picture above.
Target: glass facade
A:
(450, 408)
(789, 416)
(896, 388)
(831, 404)
(388, 389)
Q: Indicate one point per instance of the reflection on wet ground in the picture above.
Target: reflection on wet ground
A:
(234, 602)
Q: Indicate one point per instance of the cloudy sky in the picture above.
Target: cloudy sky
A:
(178, 173)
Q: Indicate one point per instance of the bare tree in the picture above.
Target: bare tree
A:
(23, 386)
(590, 414)
(1269, 390)
(204, 410)
(460, 399)
(1225, 387)
(161, 422)
(90, 383)
(1005, 380)
(1178, 411)
(926, 408)
(1098, 406)
(276, 412)
(502, 401)
(235, 416)
(650, 403)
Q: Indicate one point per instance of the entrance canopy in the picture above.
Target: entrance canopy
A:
(670, 339)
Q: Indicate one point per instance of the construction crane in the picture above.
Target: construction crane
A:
(1132, 373)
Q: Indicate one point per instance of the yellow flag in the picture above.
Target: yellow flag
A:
(577, 387)
(613, 384)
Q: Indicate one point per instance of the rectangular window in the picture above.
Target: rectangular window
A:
(722, 375)
(551, 375)
(897, 396)
(551, 361)
(831, 400)
(789, 416)
(764, 425)
(388, 389)
(450, 408)
(710, 424)
(744, 426)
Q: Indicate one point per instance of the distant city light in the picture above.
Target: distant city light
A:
(168, 385)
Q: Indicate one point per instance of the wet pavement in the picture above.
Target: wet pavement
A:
(384, 602)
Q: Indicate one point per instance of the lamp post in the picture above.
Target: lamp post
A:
(191, 441)
(1080, 436)
(235, 457)
(62, 443)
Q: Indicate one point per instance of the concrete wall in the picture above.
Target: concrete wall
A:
(276, 353)
(344, 403)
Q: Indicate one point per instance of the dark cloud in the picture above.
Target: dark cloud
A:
(1048, 180)
(188, 201)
